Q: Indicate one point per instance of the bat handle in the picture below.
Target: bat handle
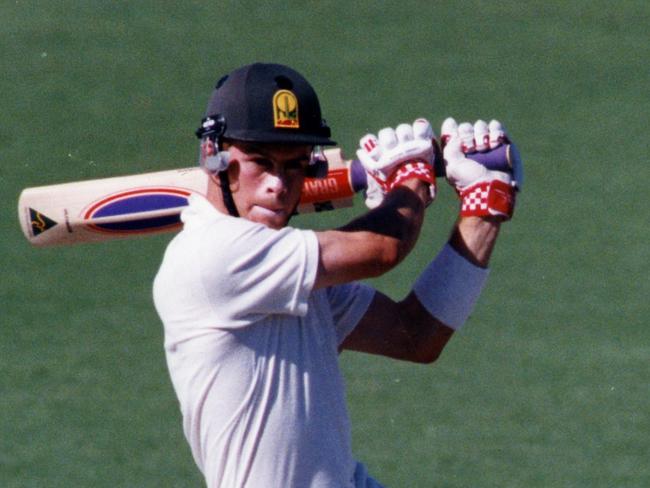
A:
(358, 176)
(496, 159)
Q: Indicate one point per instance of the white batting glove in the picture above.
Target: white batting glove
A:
(395, 155)
(374, 193)
(487, 187)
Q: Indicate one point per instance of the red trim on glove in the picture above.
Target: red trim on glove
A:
(488, 198)
(414, 169)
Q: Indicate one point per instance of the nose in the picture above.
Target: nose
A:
(276, 182)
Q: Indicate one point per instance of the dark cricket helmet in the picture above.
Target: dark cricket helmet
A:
(267, 103)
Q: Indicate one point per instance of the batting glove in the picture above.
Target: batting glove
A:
(483, 166)
(397, 155)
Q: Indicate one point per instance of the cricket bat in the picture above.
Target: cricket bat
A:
(125, 206)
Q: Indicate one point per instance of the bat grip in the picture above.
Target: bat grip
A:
(358, 176)
(496, 159)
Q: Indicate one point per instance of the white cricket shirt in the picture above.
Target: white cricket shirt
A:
(253, 353)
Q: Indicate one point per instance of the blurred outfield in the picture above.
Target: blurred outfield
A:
(548, 385)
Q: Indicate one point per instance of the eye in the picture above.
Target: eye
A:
(263, 163)
(296, 165)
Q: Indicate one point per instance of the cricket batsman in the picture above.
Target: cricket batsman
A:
(256, 312)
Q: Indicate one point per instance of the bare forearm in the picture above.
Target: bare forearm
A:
(375, 242)
(399, 218)
(474, 238)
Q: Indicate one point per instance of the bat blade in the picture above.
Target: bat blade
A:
(136, 204)
(126, 206)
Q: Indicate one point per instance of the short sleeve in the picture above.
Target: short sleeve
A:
(256, 271)
(348, 303)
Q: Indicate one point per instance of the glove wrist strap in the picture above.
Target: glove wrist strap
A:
(413, 169)
(488, 198)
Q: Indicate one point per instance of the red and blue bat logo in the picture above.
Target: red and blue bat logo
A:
(135, 201)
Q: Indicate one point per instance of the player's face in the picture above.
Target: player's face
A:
(267, 180)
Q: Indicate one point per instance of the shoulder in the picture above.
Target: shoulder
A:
(221, 248)
(209, 231)
(238, 269)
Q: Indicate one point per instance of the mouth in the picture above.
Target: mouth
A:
(270, 213)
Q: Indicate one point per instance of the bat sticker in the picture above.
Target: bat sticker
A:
(136, 201)
(39, 222)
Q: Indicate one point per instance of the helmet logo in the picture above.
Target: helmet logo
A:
(285, 110)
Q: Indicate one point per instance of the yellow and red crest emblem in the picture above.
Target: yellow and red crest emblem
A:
(285, 110)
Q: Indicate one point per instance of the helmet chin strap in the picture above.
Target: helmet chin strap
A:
(214, 158)
(226, 194)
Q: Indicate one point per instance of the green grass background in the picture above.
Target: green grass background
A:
(548, 384)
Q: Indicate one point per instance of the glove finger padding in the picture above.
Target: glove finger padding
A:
(483, 166)
(387, 139)
(497, 134)
(466, 134)
(449, 129)
(422, 130)
(404, 133)
(481, 136)
(396, 155)
(370, 147)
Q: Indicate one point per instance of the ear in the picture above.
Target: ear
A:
(233, 175)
